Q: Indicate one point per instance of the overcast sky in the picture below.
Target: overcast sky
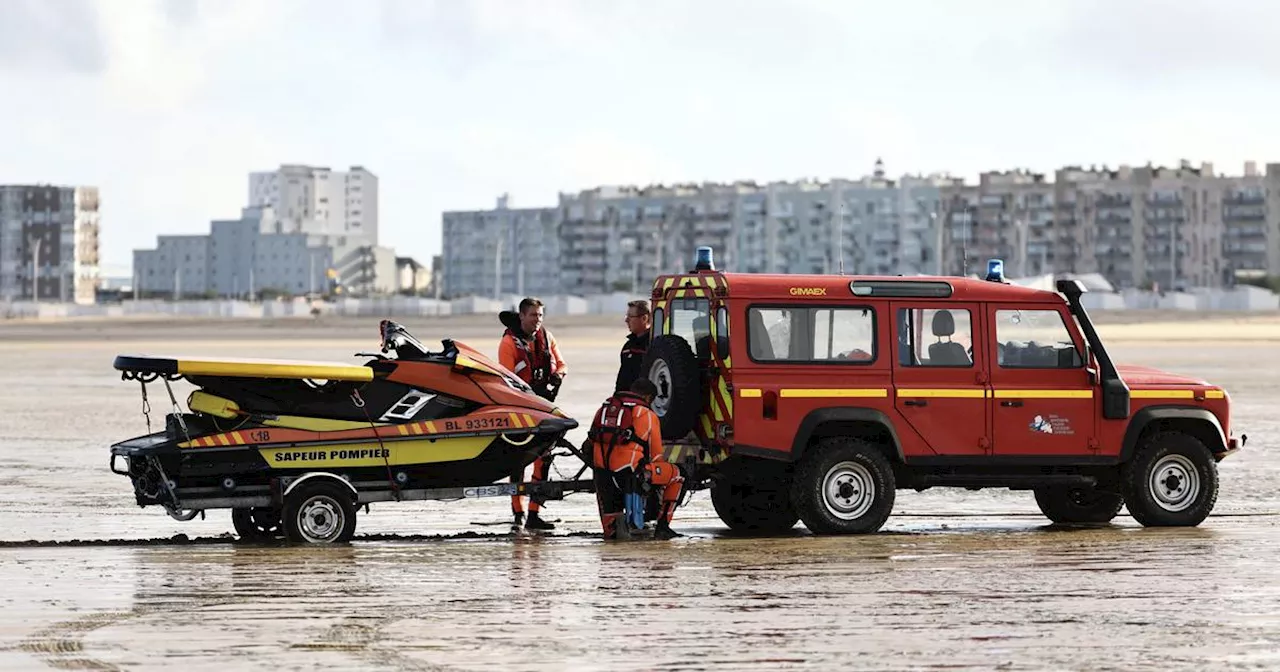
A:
(167, 105)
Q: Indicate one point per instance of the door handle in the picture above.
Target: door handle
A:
(915, 402)
(1014, 403)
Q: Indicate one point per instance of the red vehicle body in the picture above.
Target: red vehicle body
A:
(819, 395)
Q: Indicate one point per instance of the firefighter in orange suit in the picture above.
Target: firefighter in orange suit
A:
(530, 351)
(626, 446)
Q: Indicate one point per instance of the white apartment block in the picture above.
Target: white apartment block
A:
(1136, 226)
(49, 243)
(248, 257)
(618, 238)
(501, 251)
(320, 201)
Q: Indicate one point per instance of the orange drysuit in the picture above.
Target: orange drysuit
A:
(626, 441)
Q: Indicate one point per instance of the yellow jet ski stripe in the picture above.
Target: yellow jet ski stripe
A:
(372, 454)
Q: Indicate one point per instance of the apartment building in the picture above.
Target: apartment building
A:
(249, 257)
(501, 251)
(1142, 226)
(617, 238)
(320, 201)
(49, 243)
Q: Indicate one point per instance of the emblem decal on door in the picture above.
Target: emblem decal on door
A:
(1051, 424)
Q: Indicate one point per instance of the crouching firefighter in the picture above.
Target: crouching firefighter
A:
(530, 351)
(627, 459)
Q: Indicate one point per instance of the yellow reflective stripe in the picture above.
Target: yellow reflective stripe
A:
(835, 392)
(943, 393)
(749, 392)
(667, 285)
(711, 281)
(1044, 394)
(1176, 394)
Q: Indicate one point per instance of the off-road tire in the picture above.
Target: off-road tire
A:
(1075, 506)
(1171, 481)
(669, 362)
(752, 507)
(843, 485)
(257, 524)
(332, 508)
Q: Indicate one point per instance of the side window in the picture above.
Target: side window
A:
(935, 337)
(845, 335)
(1034, 339)
(769, 333)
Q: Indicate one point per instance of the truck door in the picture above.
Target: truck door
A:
(1043, 402)
(940, 379)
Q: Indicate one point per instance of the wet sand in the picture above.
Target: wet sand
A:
(958, 579)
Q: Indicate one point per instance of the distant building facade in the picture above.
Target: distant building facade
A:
(1137, 226)
(248, 257)
(317, 200)
(49, 243)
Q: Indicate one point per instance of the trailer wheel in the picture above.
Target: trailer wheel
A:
(670, 364)
(320, 512)
(257, 523)
(844, 485)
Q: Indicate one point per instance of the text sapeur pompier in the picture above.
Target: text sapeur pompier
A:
(293, 448)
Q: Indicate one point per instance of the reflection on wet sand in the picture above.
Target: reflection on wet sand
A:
(957, 580)
(1118, 596)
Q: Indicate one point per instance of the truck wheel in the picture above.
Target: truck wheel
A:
(257, 523)
(1078, 505)
(1172, 481)
(320, 512)
(843, 486)
(754, 507)
(670, 364)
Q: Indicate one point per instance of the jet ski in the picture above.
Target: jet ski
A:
(293, 447)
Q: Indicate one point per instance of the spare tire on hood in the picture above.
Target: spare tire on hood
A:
(670, 364)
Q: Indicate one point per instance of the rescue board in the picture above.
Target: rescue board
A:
(244, 368)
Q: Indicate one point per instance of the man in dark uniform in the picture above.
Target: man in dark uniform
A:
(635, 347)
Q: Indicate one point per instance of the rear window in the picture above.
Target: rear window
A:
(690, 320)
(812, 334)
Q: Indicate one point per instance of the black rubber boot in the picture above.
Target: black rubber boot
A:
(664, 531)
(535, 522)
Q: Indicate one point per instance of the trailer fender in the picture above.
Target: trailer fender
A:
(320, 474)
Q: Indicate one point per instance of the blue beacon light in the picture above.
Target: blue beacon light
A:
(703, 260)
(995, 270)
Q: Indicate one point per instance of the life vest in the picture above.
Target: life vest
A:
(533, 356)
(616, 444)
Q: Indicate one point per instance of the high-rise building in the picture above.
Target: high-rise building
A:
(317, 200)
(49, 243)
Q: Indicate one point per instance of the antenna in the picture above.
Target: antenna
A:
(840, 233)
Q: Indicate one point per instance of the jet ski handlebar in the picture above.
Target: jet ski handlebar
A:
(395, 338)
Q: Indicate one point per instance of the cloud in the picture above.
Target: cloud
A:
(1162, 40)
(40, 36)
